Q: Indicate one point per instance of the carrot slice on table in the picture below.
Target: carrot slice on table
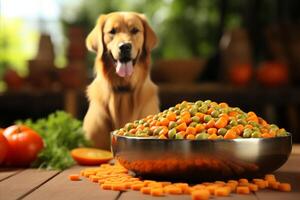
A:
(91, 156)
(74, 177)
(284, 187)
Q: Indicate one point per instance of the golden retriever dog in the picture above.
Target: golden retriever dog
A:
(122, 90)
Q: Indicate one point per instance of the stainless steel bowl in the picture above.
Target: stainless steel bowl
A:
(194, 160)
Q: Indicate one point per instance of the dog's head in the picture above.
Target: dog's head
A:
(124, 38)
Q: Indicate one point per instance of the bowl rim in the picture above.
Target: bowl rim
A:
(152, 138)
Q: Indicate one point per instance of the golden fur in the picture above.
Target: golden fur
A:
(109, 108)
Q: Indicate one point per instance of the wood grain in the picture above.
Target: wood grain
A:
(22, 183)
(61, 188)
(8, 172)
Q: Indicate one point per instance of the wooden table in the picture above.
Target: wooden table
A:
(43, 184)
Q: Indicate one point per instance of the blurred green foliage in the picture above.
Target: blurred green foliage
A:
(186, 28)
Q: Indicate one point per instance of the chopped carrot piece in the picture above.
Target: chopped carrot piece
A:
(190, 137)
(118, 187)
(212, 188)
(200, 194)
(162, 136)
(106, 186)
(232, 186)
(157, 192)
(222, 191)
(171, 116)
(274, 185)
(165, 183)
(137, 186)
(199, 128)
(183, 186)
(74, 177)
(243, 182)
(213, 136)
(253, 187)
(212, 131)
(191, 130)
(146, 190)
(181, 127)
(230, 134)
(284, 187)
(94, 178)
(260, 183)
(242, 190)
(221, 183)
(171, 189)
(270, 178)
(155, 185)
(210, 124)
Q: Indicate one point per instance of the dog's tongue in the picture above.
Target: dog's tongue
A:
(124, 69)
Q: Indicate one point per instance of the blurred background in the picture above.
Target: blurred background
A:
(246, 53)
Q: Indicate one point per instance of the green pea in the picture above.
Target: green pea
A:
(274, 127)
(225, 110)
(127, 134)
(255, 134)
(196, 119)
(220, 137)
(207, 101)
(177, 112)
(199, 103)
(242, 121)
(157, 130)
(228, 126)
(172, 133)
(193, 110)
(247, 133)
(222, 131)
(172, 109)
(255, 124)
(128, 126)
(215, 113)
(233, 122)
(178, 136)
(155, 117)
(241, 116)
(203, 108)
(172, 125)
(207, 118)
(281, 133)
(193, 124)
(202, 136)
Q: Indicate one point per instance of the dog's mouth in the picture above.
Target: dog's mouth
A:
(124, 66)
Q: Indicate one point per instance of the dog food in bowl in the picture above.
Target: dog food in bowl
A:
(202, 120)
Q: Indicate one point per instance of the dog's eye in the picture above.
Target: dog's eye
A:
(134, 31)
(113, 31)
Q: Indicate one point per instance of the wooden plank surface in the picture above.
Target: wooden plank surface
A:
(290, 173)
(8, 172)
(132, 195)
(22, 183)
(61, 188)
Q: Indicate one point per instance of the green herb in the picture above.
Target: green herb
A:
(61, 133)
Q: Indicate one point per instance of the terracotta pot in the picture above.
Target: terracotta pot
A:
(178, 70)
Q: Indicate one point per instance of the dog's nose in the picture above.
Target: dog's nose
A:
(125, 47)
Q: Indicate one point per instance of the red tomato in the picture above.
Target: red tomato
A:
(24, 145)
(3, 147)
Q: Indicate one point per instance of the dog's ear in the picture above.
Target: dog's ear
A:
(94, 41)
(150, 38)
